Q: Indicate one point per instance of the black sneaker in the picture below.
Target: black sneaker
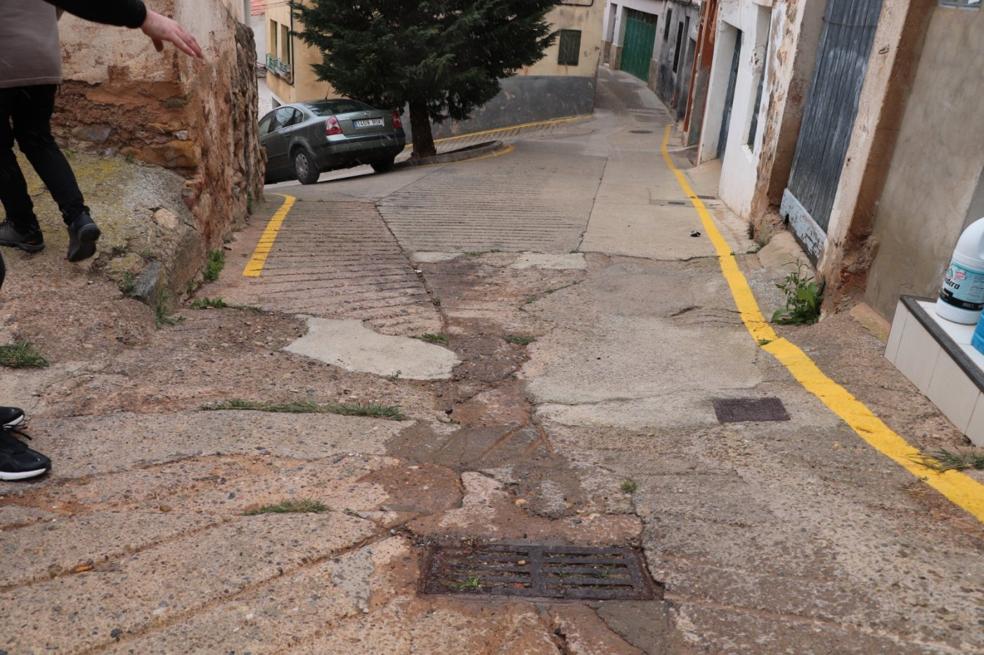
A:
(82, 236)
(11, 417)
(18, 462)
(32, 241)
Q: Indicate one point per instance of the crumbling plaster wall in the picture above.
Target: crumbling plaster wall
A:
(936, 166)
(895, 56)
(193, 119)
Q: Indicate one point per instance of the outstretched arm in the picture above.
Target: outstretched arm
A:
(122, 13)
(133, 13)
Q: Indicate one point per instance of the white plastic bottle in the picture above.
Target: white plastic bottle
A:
(962, 296)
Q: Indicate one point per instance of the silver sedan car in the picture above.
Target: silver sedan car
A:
(303, 140)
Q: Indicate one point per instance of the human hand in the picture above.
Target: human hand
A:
(161, 28)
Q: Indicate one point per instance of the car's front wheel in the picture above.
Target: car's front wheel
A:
(384, 165)
(305, 169)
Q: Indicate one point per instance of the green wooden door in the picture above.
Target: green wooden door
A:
(637, 46)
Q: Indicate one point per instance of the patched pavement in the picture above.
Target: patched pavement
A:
(545, 396)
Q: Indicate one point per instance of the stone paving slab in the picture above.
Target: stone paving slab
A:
(292, 609)
(169, 581)
(105, 444)
(59, 546)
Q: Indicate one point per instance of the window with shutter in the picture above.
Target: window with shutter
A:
(570, 48)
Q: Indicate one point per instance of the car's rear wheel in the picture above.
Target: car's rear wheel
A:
(384, 165)
(305, 169)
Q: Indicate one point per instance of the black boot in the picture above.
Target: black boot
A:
(82, 236)
(30, 241)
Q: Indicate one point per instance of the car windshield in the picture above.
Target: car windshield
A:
(332, 107)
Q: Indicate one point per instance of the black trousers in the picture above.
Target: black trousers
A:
(25, 116)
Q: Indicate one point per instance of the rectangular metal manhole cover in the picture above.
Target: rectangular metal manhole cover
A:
(611, 573)
(748, 410)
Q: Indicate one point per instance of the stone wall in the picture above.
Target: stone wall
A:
(190, 119)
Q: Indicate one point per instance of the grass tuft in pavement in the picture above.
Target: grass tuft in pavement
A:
(21, 354)
(372, 410)
(214, 266)
(629, 486)
(437, 339)
(209, 303)
(947, 460)
(519, 340)
(299, 506)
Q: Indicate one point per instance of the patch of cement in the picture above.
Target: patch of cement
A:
(783, 255)
(569, 262)
(433, 257)
(352, 346)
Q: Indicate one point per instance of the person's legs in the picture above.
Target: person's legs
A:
(17, 461)
(31, 109)
(31, 112)
(21, 228)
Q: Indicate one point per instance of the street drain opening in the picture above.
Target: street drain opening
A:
(640, 131)
(569, 572)
(748, 410)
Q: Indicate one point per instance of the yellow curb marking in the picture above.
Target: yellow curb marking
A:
(510, 128)
(498, 153)
(256, 263)
(959, 488)
(521, 126)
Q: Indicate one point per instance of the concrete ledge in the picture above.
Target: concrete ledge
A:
(470, 152)
(937, 357)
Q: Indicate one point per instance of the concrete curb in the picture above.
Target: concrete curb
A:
(471, 152)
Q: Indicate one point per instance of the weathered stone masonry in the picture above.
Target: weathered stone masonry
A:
(194, 119)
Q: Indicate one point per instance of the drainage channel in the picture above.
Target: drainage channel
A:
(538, 571)
(749, 410)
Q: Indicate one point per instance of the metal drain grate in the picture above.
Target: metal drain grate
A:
(613, 573)
(747, 410)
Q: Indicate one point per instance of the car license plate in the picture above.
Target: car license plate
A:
(370, 122)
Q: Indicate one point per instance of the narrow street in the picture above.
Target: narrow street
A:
(577, 330)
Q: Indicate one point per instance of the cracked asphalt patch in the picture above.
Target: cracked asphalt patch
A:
(353, 347)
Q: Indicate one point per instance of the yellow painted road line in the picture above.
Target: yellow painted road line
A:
(959, 488)
(510, 128)
(498, 153)
(256, 263)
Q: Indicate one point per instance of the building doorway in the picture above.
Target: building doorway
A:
(729, 97)
(828, 120)
(640, 39)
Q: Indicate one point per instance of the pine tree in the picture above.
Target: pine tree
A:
(443, 58)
